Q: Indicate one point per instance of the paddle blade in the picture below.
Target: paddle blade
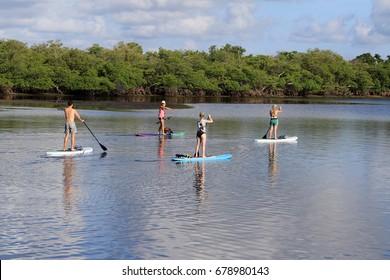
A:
(101, 145)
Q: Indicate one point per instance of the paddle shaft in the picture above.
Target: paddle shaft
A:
(265, 135)
(102, 146)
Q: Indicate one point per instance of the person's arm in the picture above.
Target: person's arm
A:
(78, 116)
(209, 119)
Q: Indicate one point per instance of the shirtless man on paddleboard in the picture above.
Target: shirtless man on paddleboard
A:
(70, 125)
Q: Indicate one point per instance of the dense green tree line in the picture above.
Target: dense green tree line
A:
(126, 69)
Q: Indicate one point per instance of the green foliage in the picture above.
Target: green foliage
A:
(51, 67)
(5, 82)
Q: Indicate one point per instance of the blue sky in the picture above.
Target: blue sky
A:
(347, 27)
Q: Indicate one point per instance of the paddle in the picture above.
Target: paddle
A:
(102, 146)
(265, 136)
(165, 119)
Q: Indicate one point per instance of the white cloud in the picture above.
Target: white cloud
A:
(190, 45)
(177, 24)
(366, 34)
(380, 5)
(335, 30)
(380, 16)
(54, 26)
(190, 19)
(143, 31)
(376, 29)
(350, 29)
(240, 15)
(131, 19)
(147, 17)
(194, 26)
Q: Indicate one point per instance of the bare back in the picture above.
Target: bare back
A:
(274, 112)
(70, 113)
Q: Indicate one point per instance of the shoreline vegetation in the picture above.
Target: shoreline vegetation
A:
(130, 103)
(127, 71)
(60, 101)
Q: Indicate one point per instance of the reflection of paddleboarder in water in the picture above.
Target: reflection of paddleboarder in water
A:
(160, 151)
(69, 171)
(272, 160)
(161, 142)
(200, 181)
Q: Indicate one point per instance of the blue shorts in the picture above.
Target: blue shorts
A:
(273, 122)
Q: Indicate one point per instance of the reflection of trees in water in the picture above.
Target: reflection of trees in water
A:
(272, 162)
(200, 182)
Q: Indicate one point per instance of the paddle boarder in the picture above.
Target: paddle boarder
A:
(201, 134)
(161, 117)
(273, 123)
(70, 125)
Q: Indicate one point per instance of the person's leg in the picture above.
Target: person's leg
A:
(159, 128)
(162, 126)
(197, 147)
(66, 140)
(271, 130)
(73, 139)
(204, 145)
(275, 131)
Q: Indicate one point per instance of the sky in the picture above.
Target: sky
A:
(263, 27)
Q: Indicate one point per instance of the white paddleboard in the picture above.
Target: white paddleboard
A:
(61, 153)
(282, 139)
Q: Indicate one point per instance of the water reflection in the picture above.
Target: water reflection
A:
(160, 151)
(200, 182)
(68, 174)
(161, 144)
(273, 165)
(142, 99)
(181, 218)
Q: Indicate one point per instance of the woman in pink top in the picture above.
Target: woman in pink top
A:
(161, 116)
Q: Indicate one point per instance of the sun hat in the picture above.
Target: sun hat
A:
(163, 102)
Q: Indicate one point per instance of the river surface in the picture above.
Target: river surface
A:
(325, 197)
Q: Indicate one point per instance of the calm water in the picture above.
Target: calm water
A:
(325, 197)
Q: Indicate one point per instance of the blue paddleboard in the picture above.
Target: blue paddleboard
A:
(184, 158)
